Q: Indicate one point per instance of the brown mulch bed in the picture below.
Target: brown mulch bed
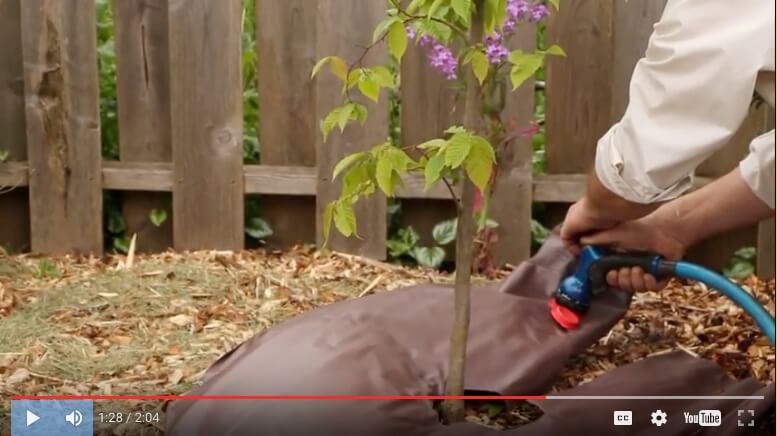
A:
(152, 324)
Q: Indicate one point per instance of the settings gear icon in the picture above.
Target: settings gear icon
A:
(658, 418)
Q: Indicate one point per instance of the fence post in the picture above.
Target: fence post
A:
(143, 93)
(207, 124)
(344, 28)
(286, 41)
(14, 206)
(63, 125)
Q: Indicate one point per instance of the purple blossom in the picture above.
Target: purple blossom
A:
(518, 9)
(442, 59)
(410, 32)
(538, 12)
(509, 26)
(496, 52)
(425, 40)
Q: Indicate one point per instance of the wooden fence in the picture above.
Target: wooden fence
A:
(180, 122)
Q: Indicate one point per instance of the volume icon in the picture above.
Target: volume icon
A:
(75, 418)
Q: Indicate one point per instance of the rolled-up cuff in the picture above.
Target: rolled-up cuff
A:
(757, 169)
(627, 181)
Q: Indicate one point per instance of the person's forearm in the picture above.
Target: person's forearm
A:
(605, 203)
(725, 204)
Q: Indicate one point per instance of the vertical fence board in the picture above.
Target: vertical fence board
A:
(63, 131)
(578, 90)
(766, 247)
(206, 108)
(143, 88)
(428, 107)
(579, 86)
(286, 45)
(349, 41)
(14, 206)
(511, 205)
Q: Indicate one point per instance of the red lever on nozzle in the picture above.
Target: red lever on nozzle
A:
(563, 316)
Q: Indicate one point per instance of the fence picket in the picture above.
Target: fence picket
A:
(286, 38)
(14, 205)
(348, 42)
(206, 109)
(63, 125)
(143, 94)
(428, 107)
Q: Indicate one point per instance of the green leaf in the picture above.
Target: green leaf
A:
(555, 50)
(382, 76)
(479, 164)
(320, 64)
(747, 253)
(337, 66)
(404, 241)
(157, 216)
(383, 175)
(524, 66)
(382, 27)
(455, 129)
(539, 233)
(415, 5)
(462, 8)
(369, 88)
(397, 40)
(433, 8)
(116, 222)
(433, 144)
(494, 409)
(343, 115)
(391, 161)
(4, 155)
(345, 218)
(359, 113)
(555, 3)
(339, 116)
(436, 30)
(347, 161)
(326, 224)
(445, 232)
(740, 270)
(355, 179)
(458, 149)
(121, 244)
(353, 77)
(480, 66)
(258, 228)
(494, 14)
(430, 257)
(433, 169)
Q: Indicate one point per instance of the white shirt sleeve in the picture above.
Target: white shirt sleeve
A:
(687, 98)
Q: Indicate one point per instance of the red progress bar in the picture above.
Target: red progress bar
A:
(275, 397)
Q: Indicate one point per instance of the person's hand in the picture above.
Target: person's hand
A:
(646, 235)
(582, 219)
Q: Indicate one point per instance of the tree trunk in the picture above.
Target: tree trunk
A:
(453, 410)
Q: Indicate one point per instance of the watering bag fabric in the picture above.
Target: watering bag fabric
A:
(396, 343)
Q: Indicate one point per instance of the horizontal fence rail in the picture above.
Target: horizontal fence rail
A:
(294, 181)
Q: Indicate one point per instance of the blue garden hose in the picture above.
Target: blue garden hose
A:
(573, 296)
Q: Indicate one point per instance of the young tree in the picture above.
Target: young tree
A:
(465, 159)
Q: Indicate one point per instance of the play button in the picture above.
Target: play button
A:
(32, 418)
